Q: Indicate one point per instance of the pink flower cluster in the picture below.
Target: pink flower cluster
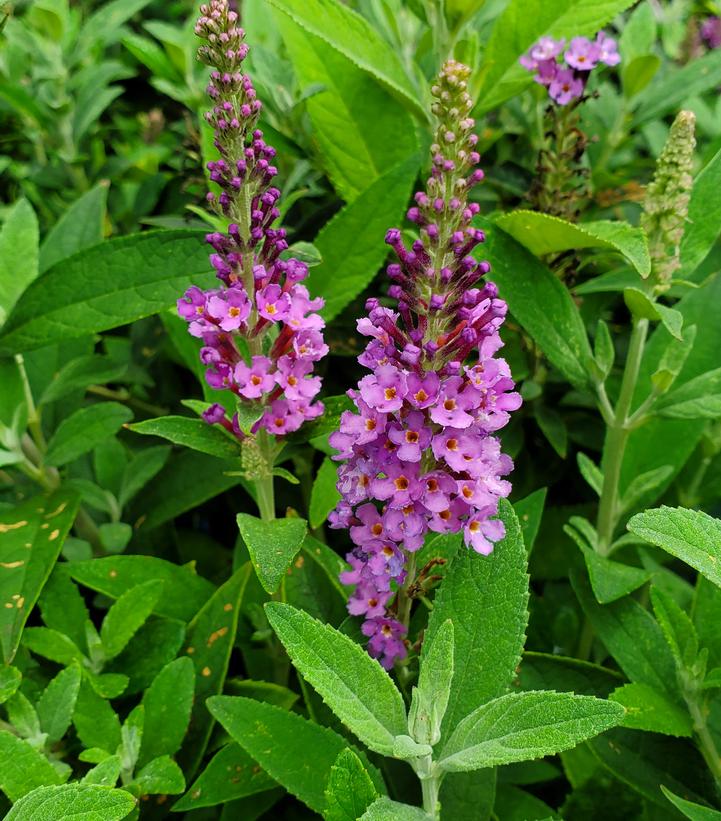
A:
(566, 80)
(261, 297)
(420, 454)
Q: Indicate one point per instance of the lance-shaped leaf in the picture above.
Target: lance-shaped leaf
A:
(57, 703)
(350, 789)
(353, 685)
(31, 536)
(689, 535)
(80, 227)
(84, 430)
(108, 285)
(127, 616)
(430, 697)
(691, 810)
(699, 398)
(168, 702)
(89, 802)
(192, 433)
(647, 709)
(272, 546)
(524, 726)
(18, 255)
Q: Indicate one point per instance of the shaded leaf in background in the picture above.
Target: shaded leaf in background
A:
(77, 229)
(18, 255)
(85, 429)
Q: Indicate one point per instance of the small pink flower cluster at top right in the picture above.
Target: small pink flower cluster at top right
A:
(566, 80)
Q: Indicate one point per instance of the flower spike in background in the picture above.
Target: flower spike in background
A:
(422, 453)
(260, 329)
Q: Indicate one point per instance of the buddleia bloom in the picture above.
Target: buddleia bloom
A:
(665, 207)
(421, 453)
(260, 329)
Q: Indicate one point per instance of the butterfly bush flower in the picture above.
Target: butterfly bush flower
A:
(711, 32)
(566, 79)
(260, 329)
(420, 453)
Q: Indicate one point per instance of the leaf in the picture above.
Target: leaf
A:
(10, 679)
(24, 768)
(352, 684)
(128, 614)
(230, 774)
(272, 546)
(647, 709)
(485, 597)
(85, 429)
(351, 243)
(106, 773)
(210, 640)
(689, 809)
(324, 496)
(352, 35)
(703, 224)
(603, 349)
(612, 580)
(18, 255)
(182, 595)
(469, 795)
(544, 234)
(140, 470)
(95, 721)
(643, 486)
(699, 398)
(642, 305)
(280, 742)
(80, 227)
(553, 427)
(677, 628)
(312, 582)
(32, 535)
(350, 789)
(524, 726)
(539, 301)
(639, 74)
(430, 697)
(151, 648)
(57, 703)
(530, 512)
(590, 472)
(105, 24)
(520, 25)
(84, 802)
(168, 703)
(633, 638)
(383, 809)
(107, 285)
(192, 433)
(162, 776)
(79, 373)
(51, 645)
(543, 671)
(351, 115)
(689, 535)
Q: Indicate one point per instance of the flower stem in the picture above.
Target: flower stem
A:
(430, 785)
(706, 744)
(617, 439)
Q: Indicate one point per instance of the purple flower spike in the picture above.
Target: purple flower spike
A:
(421, 454)
(258, 290)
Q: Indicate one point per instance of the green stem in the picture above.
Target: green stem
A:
(34, 425)
(266, 497)
(404, 600)
(430, 785)
(706, 743)
(616, 440)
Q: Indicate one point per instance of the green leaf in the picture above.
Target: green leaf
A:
(324, 496)
(351, 115)
(192, 433)
(210, 640)
(106, 773)
(51, 644)
(524, 726)
(485, 597)
(544, 234)
(350, 789)
(469, 795)
(677, 628)
(639, 74)
(85, 429)
(230, 774)
(182, 595)
(520, 25)
(543, 671)
(539, 301)
(699, 398)
(647, 709)
(352, 35)
(514, 804)
(79, 373)
(695, 812)
(105, 286)
(590, 472)
(529, 511)
(32, 535)
(168, 703)
(95, 721)
(612, 580)
(704, 218)
(673, 360)
(162, 776)
(80, 227)
(689, 535)
(353, 685)
(272, 546)
(151, 648)
(430, 697)
(633, 638)
(312, 582)
(351, 243)
(644, 486)
(383, 809)
(78, 801)
(24, 768)
(553, 427)
(18, 255)
(10, 679)
(642, 306)
(140, 470)
(57, 703)
(280, 742)
(128, 614)
(24, 718)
